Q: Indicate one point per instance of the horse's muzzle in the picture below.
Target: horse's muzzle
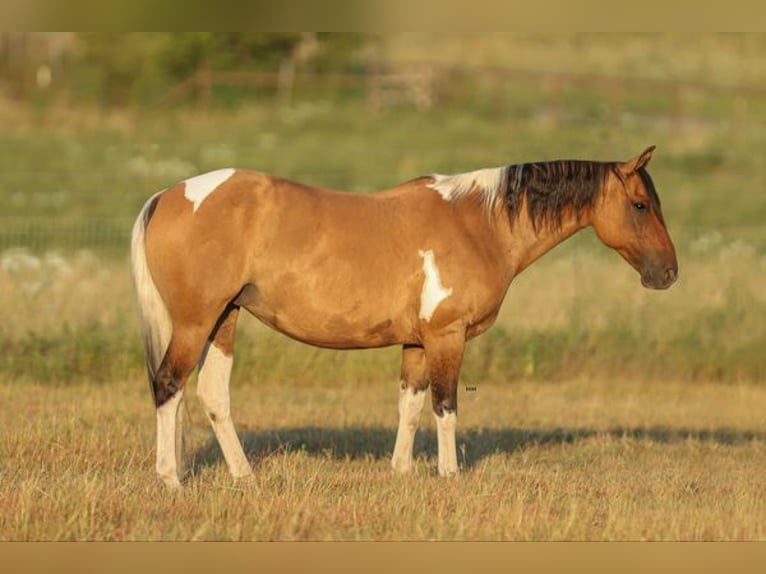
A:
(660, 279)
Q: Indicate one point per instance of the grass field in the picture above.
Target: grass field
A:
(582, 460)
(601, 410)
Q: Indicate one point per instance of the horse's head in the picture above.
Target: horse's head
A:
(628, 219)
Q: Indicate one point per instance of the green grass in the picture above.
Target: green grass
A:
(75, 163)
(577, 312)
(718, 59)
(93, 180)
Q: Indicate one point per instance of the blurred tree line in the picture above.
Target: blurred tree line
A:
(138, 67)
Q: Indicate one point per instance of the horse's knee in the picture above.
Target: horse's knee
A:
(444, 399)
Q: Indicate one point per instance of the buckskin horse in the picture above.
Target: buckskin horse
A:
(424, 265)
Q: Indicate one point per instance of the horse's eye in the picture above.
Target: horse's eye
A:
(639, 206)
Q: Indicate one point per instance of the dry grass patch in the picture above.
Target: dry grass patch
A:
(585, 460)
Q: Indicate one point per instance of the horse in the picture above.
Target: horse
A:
(424, 265)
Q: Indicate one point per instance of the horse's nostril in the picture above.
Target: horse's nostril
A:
(670, 274)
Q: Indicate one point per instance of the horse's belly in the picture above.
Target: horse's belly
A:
(335, 332)
(325, 322)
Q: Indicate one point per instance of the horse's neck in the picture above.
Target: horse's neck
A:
(528, 244)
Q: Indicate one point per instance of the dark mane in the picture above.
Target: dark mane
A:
(552, 189)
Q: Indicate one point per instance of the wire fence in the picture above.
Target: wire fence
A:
(107, 236)
(425, 85)
(110, 237)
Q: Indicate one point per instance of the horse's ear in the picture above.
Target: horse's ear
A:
(632, 166)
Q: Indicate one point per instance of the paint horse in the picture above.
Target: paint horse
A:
(424, 265)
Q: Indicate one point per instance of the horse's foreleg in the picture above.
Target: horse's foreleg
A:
(444, 356)
(411, 397)
(213, 392)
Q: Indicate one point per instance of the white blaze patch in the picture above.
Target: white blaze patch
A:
(433, 291)
(199, 187)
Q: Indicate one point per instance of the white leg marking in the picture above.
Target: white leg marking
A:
(410, 406)
(199, 187)
(433, 291)
(445, 436)
(170, 441)
(213, 392)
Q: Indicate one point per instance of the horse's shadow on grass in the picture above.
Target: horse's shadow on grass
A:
(473, 444)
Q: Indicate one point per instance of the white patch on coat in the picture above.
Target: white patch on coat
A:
(410, 406)
(445, 439)
(199, 187)
(213, 392)
(433, 291)
(489, 182)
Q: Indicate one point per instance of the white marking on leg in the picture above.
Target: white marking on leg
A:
(199, 187)
(170, 441)
(445, 436)
(213, 392)
(410, 406)
(433, 291)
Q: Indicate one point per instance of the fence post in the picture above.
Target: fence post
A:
(285, 82)
(739, 116)
(678, 106)
(555, 91)
(615, 92)
(204, 85)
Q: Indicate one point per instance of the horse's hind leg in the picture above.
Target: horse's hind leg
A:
(411, 397)
(182, 354)
(170, 449)
(213, 391)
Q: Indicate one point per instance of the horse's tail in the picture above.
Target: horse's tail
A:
(156, 326)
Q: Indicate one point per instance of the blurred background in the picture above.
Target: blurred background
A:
(93, 124)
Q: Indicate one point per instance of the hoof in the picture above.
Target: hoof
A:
(448, 473)
(401, 466)
(170, 482)
(245, 479)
